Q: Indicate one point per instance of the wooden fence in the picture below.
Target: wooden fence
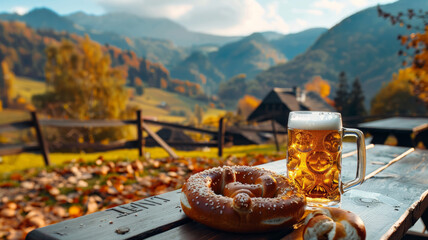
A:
(140, 123)
(40, 145)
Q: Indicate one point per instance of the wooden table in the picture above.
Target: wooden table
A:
(401, 127)
(393, 197)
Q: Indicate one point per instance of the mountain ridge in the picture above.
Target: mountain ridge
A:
(362, 45)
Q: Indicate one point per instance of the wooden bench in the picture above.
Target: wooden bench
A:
(392, 198)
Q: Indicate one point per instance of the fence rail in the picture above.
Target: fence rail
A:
(9, 149)
(141, 125)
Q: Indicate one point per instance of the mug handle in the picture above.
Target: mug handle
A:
(361, 156)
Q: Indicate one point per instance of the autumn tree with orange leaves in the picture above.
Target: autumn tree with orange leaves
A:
(81, 84)
(416, 45)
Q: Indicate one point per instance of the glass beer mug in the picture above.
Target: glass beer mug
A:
(314, 156)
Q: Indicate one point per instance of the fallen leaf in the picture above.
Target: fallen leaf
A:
(75, 211)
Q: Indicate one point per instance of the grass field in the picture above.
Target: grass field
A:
(27, 87)
(149, 102)
(31, 160)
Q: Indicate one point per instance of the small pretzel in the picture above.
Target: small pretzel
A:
(330, 223)
(242, 199)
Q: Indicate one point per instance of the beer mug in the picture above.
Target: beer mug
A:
(314, 156)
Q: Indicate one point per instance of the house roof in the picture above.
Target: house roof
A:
(281, 101)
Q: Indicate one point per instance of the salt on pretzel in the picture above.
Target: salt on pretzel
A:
(242, 199)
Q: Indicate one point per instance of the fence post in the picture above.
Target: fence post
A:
(140, 139)
(220, 136)
(275, 135)
(43, 146)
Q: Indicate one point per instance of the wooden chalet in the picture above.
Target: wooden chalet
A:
(281, 101)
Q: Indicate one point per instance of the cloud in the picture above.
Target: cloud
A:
(331, 5)
(149, 8)
(19, 10)
(223, 17)
(310, 11)
(359, 3)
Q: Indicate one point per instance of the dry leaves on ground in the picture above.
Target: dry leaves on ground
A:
(34, 198)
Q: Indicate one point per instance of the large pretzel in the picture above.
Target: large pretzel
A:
(242, 199)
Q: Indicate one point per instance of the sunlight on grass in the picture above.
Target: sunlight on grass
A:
(30, 160)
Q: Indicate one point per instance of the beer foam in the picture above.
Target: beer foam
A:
(309, 120)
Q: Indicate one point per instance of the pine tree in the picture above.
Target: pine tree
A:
(341, 98)
(139, 86)
(356, 100)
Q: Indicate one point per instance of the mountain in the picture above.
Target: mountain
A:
(161, 51)
(271, 35)
(207, 64)
(23, 49)
(160, 28)
(44, 18)
(362, 45)
(294, 44)
(249, 55)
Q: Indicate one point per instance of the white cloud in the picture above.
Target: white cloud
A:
(223, 17)
(149, 8)
(331, 5)
(301, 23)
(310, 11)
(19, 10)
(359, 3)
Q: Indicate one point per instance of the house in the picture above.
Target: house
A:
(281, 101)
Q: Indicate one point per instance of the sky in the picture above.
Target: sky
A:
(220, 17)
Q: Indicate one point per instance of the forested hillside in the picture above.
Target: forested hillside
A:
(155, 50)
(24, 50)
(362, 45)
(248, 56)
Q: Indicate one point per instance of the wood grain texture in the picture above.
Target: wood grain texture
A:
(389, 203)
(143, 218)
(397, 124)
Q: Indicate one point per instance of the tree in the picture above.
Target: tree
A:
(416, 45)
(199, 114)
(234, 88)
(318, 85)
(246, 105)
(6, 84)
(81, 83)
(321, 87)
(341, 98)
(356, 100)
(139, 86)
(397, 97)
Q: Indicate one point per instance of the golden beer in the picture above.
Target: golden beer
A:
(314, 163)
(314, 156)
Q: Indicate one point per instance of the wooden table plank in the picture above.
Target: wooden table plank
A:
(370, 201)
(399, 190)
(402, 128)
(397, 124)
(392, 201)
(382, 153)
(138, 220)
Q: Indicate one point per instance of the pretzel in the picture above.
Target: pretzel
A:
(330, 223)
(242, 199)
